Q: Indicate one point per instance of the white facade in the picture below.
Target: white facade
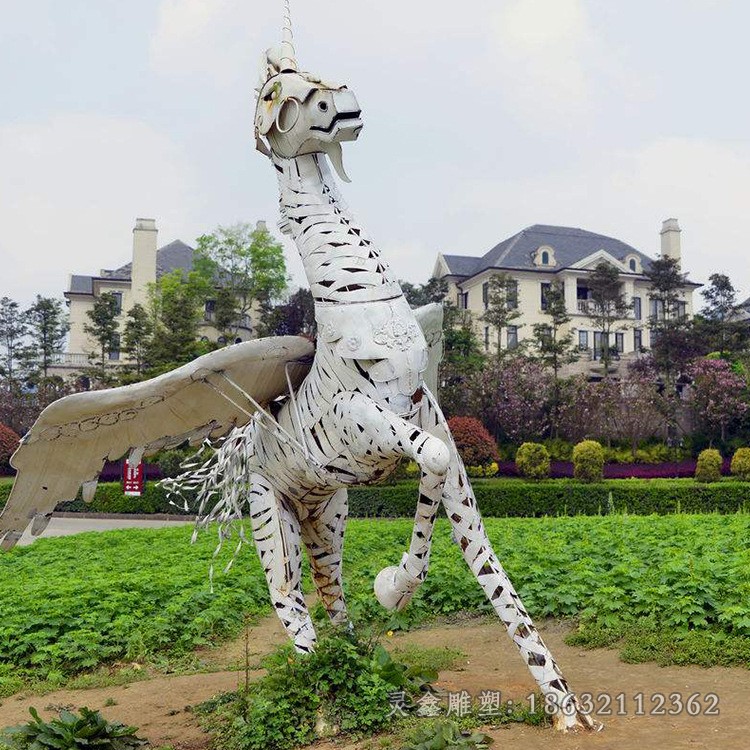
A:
(534, 267)
(131, 284)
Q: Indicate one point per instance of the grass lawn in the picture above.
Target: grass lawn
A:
(668, 588)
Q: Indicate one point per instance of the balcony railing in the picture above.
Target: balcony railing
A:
(584, 306)
(241, 322)
(69, 359)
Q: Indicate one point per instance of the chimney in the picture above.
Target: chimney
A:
(261, 226)
(143, 271)
(670, 240)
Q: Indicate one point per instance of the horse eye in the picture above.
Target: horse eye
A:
(323, 106)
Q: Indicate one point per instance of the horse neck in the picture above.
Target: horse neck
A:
(341, 262)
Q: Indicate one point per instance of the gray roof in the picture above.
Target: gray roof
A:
(571, 245)
(168, 258)
(81, 284)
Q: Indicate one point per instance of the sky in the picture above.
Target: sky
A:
(481, 118)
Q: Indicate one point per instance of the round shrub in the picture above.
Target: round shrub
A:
(475, 445)
(740, 466)
(588, 461)
(532, 461)
(708, 468)
(8, 443)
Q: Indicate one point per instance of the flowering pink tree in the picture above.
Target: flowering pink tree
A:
(718, 395)
(512, 396)
(631, 409)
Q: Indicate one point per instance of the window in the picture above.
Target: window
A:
(637, 340)
(114, 348)
(656, 308)
(620, 342)
(512, 294)
(545, 258)
(463, 300)
(209, 309)
(600, 341)
(486, 338)
(583, 340)
(637, 309)
(633, 265)
(681, 309)
(545, 288)
(512, 337)
(118, 301)
(486, 294)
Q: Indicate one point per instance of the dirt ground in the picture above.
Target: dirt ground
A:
(158, 706)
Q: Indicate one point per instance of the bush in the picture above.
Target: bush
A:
(170, 462)
(343, 685)
(588, 461)
(475, 445)
(532, 461)
(71, 732)
(8, 443)
(740, 466)
(708, 468)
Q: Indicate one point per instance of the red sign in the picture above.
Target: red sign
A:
(132, 479)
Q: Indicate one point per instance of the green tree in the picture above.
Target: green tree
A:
(47, 328)
(502, 305)
(13, 329)
(176, 301)
(418, 295)
(103, 331)
(247, 265)
(721, 324)
(296, 317)
(673, 345)
(608, 308)
(462, 358)
(137, 335)
(554, 345)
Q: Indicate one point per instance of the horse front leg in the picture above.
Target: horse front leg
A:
(395, 585)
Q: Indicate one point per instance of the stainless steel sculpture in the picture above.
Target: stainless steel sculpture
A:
(303, 423)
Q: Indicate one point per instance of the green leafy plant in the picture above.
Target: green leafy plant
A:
(72, 732)
(533, 461)
(588, 461)
(708, 468)
(445, 734)
(343, 686)
(740, 466)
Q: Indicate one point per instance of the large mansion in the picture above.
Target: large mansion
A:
(538, 256)
(130, 284)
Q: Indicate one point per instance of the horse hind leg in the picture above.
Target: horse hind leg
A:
(276, 532)
(323, 534)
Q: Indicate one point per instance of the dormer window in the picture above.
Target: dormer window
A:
(633, 263)
(545, 256)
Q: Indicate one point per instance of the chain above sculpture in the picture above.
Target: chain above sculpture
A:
(300, 423)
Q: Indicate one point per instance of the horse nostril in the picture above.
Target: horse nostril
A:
(323, 106)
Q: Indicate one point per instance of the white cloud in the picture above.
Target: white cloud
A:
(541, 52)
(70, 189)
(204, 38)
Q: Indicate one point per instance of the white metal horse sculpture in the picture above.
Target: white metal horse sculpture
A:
(302, 424)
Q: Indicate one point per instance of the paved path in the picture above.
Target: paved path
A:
(67, 526)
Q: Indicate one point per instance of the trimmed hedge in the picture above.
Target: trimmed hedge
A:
(496, 498)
